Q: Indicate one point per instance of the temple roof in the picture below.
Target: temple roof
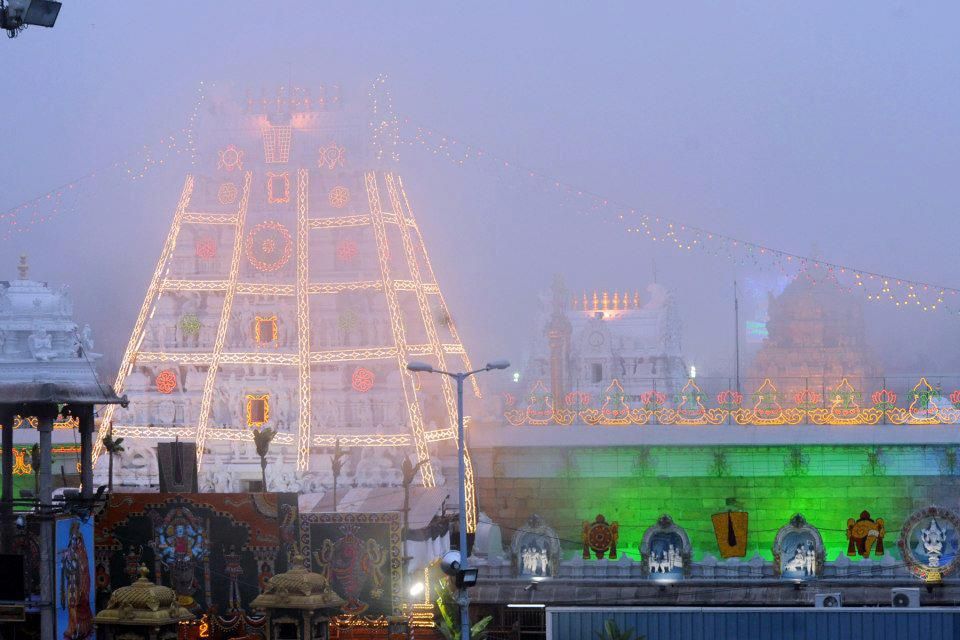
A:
(81, 392)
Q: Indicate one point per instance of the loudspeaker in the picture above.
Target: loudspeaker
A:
(177, 464)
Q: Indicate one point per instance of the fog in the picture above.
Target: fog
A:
(818, 127)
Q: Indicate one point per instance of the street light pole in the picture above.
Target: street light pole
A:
(463, 598)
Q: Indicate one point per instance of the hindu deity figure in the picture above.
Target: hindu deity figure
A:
(181, 545)
(804, 560)
(932, 539)
(41, 344)
(352, 563)
(75, 587)
(864, 534)
(233, 569)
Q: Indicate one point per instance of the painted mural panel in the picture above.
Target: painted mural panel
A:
(214, 550)
(74, 595)
(360, 554)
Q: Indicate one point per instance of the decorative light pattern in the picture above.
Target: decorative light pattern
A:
(303, 320)
(268, 246)
(339, 196)
(265, 330)
(927, 406)
(362, 379)
(258, 409)
(206, 398)
(276, 142)
(346, 250)
(206, 248)
(278, 187)
(227, 193)
(231, 158)
(153, 290)
(257, 240)
(899, 293)
(331, 156)
(190, 325)
(166, 381)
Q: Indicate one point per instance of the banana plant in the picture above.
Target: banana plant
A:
(449, 622)
(611, 631)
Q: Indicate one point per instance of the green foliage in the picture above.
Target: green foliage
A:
(612, 632)
(111, 444)
(449, 622)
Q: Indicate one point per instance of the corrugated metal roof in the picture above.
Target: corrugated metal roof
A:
(758, 624)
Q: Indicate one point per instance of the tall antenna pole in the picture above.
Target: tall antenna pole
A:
(736, 332)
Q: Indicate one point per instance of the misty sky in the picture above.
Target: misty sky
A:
(806, 126)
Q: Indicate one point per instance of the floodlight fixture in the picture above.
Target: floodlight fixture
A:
(16, 15)
(497, 364)
(467, 578)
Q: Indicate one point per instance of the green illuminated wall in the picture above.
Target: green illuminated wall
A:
(634, 485)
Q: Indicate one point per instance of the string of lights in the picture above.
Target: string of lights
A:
(876, 286)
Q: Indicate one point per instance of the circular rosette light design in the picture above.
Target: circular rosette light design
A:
(346, 250)
(166, 381)
(339, 197)
(206, 248)
(268, 246)
(362, 380)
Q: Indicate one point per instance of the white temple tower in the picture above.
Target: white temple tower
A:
(291, 291)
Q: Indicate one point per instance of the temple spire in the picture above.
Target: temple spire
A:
(23, 267)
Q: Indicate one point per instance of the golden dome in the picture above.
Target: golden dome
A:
(298, 588)
(143, 602)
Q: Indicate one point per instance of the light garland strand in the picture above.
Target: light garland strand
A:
(876, 286)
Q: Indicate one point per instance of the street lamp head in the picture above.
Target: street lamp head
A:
(419, 367)
(498, 364)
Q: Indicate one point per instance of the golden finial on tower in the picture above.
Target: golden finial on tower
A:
(616, 300)
(596, 301)
(606, 300)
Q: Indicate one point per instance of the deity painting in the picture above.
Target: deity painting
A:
(798, 550)
(359, 554)
(666, 555)
(181, 546)
(930, 542)
(665, 549)
(355, 565)
(536, 549)
(74, 579)
(799, 558)
(214, 550)
(865, 535)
